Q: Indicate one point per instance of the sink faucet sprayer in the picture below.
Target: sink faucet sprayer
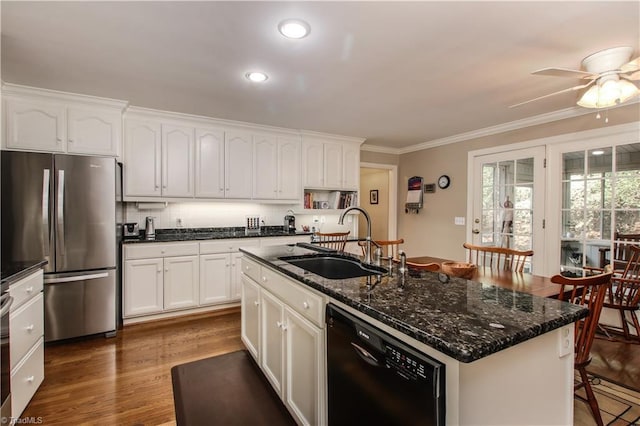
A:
(367, 252)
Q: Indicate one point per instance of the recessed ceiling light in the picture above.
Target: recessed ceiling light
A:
(294, 28)
(256, 76)
(597, 152)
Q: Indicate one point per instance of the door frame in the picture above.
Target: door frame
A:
(392, 171)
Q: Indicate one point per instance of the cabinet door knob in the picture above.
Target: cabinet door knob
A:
(305, 305)
(256, 303)
(29, 290)
(279, 324)
(30, 379)
(264, 279)
(30, 328)
(70, 140)
(58, 140)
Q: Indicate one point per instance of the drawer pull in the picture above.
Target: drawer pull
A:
(30, 328)
(264, 279)
(305, 305)
(256, 303)
(279, 324)
(30, 379)
(29, 290)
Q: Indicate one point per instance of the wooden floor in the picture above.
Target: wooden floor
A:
(126, 380)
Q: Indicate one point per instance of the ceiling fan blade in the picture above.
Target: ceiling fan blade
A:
(570, 89)
(633, 77)
(630, 66)
(565, 72)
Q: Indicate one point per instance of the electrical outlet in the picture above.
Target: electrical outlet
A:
(565, 343)
(179, 222)
(322, 219)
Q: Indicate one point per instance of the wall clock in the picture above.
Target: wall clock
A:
(444, 181)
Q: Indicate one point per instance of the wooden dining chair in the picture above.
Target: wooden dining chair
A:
(621, 250)
(624, 296)
(589, 292)
(333, 240)
(389, 247)
(498, 257)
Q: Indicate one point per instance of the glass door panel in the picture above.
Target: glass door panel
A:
(510, 185)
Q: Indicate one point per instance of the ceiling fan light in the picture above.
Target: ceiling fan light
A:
(610, 93)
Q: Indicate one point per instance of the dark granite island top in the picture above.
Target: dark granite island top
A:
(13, 271)
(463, 319)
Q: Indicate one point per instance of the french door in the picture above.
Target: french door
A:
(508, 202)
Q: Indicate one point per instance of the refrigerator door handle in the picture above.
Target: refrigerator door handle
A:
(46, 229)
(60, 222)
(75, 278)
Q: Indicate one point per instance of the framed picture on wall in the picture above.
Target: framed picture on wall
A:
(373, 196)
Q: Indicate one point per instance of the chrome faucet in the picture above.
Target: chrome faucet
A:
(367, 252)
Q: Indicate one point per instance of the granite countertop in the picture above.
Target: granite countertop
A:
(13, 271)
(196, 234)
(463, 319)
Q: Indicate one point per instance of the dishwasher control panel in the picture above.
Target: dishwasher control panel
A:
(406, 366)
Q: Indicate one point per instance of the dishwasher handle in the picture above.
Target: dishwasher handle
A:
(366, 355)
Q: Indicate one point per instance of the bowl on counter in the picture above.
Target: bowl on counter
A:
(459, 269)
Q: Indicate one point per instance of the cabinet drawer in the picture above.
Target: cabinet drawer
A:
(227, 246)
(27, 326)
(26, 288)
(303, 301)
(26, 378)
(251, 269)
(151, 250)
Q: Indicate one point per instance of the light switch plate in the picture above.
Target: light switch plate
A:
(459, 220)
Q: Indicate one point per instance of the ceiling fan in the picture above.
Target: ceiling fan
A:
(609, 74)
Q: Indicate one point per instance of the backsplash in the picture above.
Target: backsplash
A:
(223, 214)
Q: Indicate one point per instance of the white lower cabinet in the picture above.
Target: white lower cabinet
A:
(284, 332)
(143, 286)
(26, 322)
(215, 278)
(181, 278)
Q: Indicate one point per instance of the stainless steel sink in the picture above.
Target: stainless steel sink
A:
(334, 267)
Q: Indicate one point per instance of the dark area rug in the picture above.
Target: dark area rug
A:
(228, 389)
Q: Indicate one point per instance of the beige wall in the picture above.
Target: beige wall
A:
(432, 232)
(371, 179)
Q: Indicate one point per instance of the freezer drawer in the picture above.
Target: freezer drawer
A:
(79, 304)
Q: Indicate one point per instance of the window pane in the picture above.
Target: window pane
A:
(572, 164)
(599, 194)
(524, 197)
(628, 221)
(524, 169)
(627, 158)
(628, 193)
(571, 255)
(506, 172)
(593, 225)
(573, 194)
(572, 223)
(487, 174)
(594, 253)
(600, 162)
(488, 200)
(523, 222)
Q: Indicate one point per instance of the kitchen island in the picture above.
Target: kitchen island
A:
(508, 355)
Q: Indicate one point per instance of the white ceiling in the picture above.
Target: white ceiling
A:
(395, 73)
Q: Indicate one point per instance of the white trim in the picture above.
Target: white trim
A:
(9, 89)
(393, 195)
(549, 117)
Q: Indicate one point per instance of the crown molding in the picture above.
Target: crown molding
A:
(549, 117)
(339, 138)
(9, 89)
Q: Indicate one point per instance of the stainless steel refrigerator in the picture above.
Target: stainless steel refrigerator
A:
(62, 208)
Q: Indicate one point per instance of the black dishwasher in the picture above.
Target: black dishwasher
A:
(374, 378)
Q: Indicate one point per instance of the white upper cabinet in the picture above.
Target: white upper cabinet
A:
(238, 164)
(289, 168)
(142, 153)
(33, 125)
(93, 131)
(350, 166)
(276, 167)
(313, 163)
(43, 120)
(177, 161)
(209, 173)
(265, 177)
(330, 163)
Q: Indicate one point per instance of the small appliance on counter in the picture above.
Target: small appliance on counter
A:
(253, 225)
(130, 230)
(289, 222)
(149, 229)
